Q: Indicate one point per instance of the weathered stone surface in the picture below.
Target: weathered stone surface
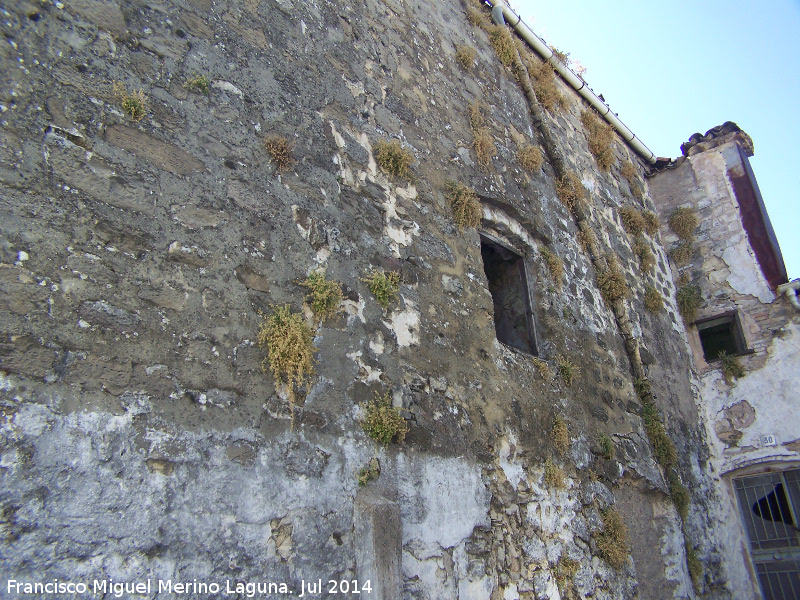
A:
(138, 259)
(165, 156)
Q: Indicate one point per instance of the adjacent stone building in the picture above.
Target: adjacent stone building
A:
(175, 173)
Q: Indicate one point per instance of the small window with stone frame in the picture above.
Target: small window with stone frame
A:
(721, 333)
(508, 284)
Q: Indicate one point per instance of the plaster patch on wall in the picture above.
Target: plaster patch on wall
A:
(514, 472)
(745, 274)
(441, 499)
(405, 325)
(366, 374)
(769, 394)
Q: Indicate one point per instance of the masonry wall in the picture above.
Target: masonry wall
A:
(751, 420)
(141, 437)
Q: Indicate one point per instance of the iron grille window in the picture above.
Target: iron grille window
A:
(508, 284)
(769, 505)
(722, 333)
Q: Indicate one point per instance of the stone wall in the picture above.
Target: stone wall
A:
(751, 419)
(141, 437)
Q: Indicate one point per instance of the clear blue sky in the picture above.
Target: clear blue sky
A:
(673, 69)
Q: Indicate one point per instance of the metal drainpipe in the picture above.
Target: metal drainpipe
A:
(535, 42)
(791, 291)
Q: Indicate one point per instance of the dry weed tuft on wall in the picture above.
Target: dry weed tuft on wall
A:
(653, 301)
(683, 221)
(613, 540)
(503, 44)
(393, 158)
(647, 259)
(689, 300)
(465, 55)
(611, 282)
(135, 104)
(484, 146)
(560, 435)
(651, 223)
(290, 347)
(570, 191)
(553, 476)
(466, 207)
(545, 86)
(628, 171)
(530, 158)
(601, 138)
(632, 220)
(567, 369)
(682, 254)
(280, 149)
(731, 369)
(554, 264)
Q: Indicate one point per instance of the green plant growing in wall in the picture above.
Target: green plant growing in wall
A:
(663, 448)
(680, 495)
(683, 221)
(467, 210)
(280, 150)
(393, 158)
(694, 565)
(601, 138)
(613, 540)
(324, 296)
(290, 347)
(560, 435)
(653, 301)
(606, 447)
(198, 83)
(383, 422)
(135, 104)
(465, 55)
(369, 472)
(731, 369)
(384, 286)
(553, 476)
(554, 265)
(567, 369)
(689, 300)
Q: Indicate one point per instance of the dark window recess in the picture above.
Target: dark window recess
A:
(721, 334)
(513, 320)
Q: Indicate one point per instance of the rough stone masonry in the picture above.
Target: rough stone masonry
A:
(142, 441)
